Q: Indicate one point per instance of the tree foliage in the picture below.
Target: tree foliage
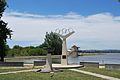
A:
(53, 41)
(26, 51)
(17, 47)
(2, 6)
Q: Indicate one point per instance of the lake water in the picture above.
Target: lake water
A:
(104, 58)
(30, 60)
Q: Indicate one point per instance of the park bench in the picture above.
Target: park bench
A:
(39, 63)
(112, 66)
(90, 64)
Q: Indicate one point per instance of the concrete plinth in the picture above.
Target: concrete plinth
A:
(48, 66)
(64, 58)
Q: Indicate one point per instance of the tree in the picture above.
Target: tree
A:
(2, 7)
(4, 31)
(17, 47)
(53, 41)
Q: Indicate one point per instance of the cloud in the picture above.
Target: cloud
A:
(98, 31)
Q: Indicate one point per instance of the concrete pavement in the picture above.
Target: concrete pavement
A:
(95, 74)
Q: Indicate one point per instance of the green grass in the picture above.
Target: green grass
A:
(87, 54)
(65, 75)
(12, 69)
(108, 72)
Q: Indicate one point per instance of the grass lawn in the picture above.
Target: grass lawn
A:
(108, 72)
(5, 69)
(65, 75)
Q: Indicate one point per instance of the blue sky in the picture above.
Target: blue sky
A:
(50, 7)
(96, 22)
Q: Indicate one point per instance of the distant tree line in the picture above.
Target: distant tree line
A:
(25, 51)
(99, 51)
(52, 41)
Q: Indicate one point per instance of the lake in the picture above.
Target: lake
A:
(102, 58)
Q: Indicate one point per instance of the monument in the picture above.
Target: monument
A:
(64, 34)
(48, 65)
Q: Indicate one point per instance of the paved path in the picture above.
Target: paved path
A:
(95, 74)
(13, 72)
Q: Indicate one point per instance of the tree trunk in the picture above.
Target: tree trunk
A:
(2, 58)
(2, 52)
(2, 55)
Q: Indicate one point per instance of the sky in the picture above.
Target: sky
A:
(96, 22)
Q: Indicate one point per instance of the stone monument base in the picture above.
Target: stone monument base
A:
(59, 66)
(47, 71)
(48, 67)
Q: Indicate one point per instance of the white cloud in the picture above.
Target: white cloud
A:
(94, 31)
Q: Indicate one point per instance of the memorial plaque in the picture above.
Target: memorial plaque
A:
(63, 56)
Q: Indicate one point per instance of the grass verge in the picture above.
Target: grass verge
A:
(88, 54)
(65, 75)
(103, 71)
